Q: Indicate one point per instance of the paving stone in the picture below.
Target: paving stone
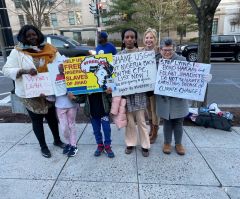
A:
(5, 147)
(236, 129)
(155, 191)
(190, 169)
(28, 163)
(86, 167)
(12, 133)
(24, 189)
(234, 192)
(225, 164)
(208, 137)
(91, 190)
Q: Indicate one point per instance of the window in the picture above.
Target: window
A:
(78, 17)
(21, 20)
(17, 3)
(20, 3)
(29, 21)
(54, 19)
(71, 18)
(238, 38)
(226, 39)
(214, 39)
(215, 26)
(72, 2)
(233, 27)
(57, 43)
(46, 19)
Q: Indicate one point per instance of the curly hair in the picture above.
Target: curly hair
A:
(21, 37)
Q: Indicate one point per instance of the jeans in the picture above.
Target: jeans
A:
(173, 126)
(37, 125)
(96, 124)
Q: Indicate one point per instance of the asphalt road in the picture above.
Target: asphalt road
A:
(224, 89)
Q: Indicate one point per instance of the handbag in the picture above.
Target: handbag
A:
(213, 120)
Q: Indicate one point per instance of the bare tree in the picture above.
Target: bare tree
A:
(156, 14)
(37, 10)
(204, 10)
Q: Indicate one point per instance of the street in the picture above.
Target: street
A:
(224, 89)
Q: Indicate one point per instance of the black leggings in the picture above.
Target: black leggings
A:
(37, 125)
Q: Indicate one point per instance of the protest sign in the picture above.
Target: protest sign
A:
(88, 74)
(181, 79)
(56, 73)
(36, 85)
(134, 72)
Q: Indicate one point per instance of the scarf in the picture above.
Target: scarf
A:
(41, 56)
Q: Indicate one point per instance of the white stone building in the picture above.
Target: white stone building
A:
(227, 18)
(69, 15)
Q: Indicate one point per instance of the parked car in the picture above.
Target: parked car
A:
(69, 47)
(222, 46)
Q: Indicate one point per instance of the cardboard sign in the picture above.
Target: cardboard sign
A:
(36, 85)
(181, 79)
(88, 74)
(134, 72)
(56, 73)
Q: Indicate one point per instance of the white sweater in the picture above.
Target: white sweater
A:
(18, 60)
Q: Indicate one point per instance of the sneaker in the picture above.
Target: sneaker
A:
(167, 148)
(145, 152)
(59, 144)
(128, 149)
(99, 150)
(180, 149)
(45, 152)
(109, 151)
(66, 149)
(73, 151)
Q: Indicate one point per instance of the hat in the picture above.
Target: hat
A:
(103, 35)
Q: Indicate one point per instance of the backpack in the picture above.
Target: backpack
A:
(213, 120)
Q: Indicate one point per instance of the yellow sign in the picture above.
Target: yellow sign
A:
(88, 74)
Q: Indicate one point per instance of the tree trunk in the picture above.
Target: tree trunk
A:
(204, 48)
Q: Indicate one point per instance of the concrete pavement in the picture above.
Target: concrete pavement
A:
(209, 170)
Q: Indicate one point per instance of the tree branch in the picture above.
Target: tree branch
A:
(194, 6)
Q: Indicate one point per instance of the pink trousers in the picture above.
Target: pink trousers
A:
(67, 120)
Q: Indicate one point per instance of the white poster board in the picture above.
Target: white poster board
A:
(36, 85)
(181, 79)
(134, 72)
(57, 77)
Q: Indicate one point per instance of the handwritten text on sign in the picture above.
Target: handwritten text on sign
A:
(38, 84)
(134, 72)
(182, 79)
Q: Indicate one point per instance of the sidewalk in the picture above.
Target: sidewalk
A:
(209, 170)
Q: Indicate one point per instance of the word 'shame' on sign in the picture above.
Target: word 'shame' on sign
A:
(134, 72)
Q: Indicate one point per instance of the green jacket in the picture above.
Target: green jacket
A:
(106, 98)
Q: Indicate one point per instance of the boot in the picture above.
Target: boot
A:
(167, 148)
(151, 128)
(180, 149)
(154, 134)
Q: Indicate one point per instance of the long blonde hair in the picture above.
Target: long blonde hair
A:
(154, 33)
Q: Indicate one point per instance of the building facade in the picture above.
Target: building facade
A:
(227, 18)
(71, 17)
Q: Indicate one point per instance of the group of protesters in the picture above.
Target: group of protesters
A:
(32, 55)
